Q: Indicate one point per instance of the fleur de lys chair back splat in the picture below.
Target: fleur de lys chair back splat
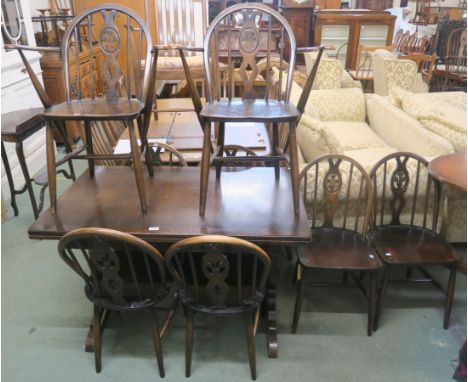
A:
(219, 275)
(121, 273)
(245, 34)
(405, 224)
(122, 92)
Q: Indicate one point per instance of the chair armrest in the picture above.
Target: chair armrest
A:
(33, 48)
(177, 47)
(403, 132)
(307, 49)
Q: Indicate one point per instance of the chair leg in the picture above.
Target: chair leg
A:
(371, 304)
(205, 167)
(383, 291)
(11, 185)
(89, 147)
(299, 297)
(294, 276)
(145, 146)
(97, 337)
(188, 342)
(137, 166)
(449, 295)
(51, 174)
(157, 344)
(294, 166)
(220, 148)
(274, 148)
(251, 345)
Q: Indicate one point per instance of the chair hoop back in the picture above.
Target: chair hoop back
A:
(120, 30)
(219, 274)
(403, 188)
(244, 26)
(341, 185)
(121, 271)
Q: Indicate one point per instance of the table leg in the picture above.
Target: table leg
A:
(51, 166)
(89, 341)
(11, 185)
(272, 335)
(27, 178)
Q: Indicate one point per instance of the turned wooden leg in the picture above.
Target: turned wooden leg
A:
(89, 147)
(137, 166)
(220, 148)
(11, 185)
(205, 167)
(275, 145)
(299, 297)
(27, 178)
(383, 291)
(251, 345)
(371, 303)
(51, 175)
(294, 166)
(97, 338)
(449, 295)
(188, 342)
(157, 344)
(145, 146)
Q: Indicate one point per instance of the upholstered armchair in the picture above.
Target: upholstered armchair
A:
(391, 72)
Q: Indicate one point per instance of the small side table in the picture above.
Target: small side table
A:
(17, 126)
(451, 170)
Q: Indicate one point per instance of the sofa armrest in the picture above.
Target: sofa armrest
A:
(403, 132)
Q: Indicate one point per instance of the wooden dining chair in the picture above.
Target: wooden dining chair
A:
(405, 223)
(125, 42)
(219, 275)
(122, 273)
(331, 183)
(363, 70)
(425, 64)
(247, 33)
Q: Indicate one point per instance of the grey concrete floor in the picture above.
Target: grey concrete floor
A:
(45, 317)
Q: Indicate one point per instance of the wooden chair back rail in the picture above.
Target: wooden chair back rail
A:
(121, 272)
(363, 70)
(455, 59)
(172, 153)
(118, 26)
(247, 24)
(219, 273)
(393, 172)
(337, 180)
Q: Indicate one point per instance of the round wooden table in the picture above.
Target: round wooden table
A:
(450, 169)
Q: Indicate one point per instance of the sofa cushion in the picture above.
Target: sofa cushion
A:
(436, 114)
(315, 139)
(339, 104)
(354, 135)
(369, 157)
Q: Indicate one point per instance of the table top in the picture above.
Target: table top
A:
(21, 122)
(450, 169)
(249, 204)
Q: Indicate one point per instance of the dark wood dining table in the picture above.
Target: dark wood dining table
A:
(245, 203)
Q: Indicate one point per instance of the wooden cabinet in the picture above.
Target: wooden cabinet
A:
(54, 82)
(301, 19)
(346, 29)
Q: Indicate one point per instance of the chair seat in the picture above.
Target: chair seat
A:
(98, 109)
(359, 75)
(251, 110)
(412, 245)
(333, 248)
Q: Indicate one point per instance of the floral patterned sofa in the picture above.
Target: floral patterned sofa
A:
(346, 121)
(430, 124)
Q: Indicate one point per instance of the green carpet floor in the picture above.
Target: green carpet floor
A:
(45, 318)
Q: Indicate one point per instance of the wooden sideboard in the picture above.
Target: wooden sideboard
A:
(54, 82)
(346, 29)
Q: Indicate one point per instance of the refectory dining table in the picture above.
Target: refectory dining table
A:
(246, 203)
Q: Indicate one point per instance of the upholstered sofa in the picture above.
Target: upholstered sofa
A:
(346, 121)
(430, 125)
(391, 72)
